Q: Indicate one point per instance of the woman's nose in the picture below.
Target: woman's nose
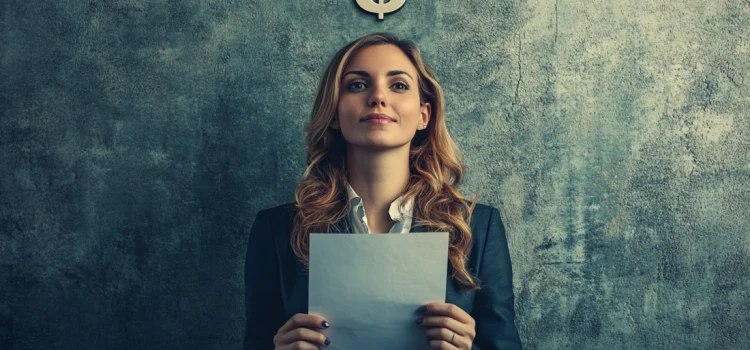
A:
(378, 96)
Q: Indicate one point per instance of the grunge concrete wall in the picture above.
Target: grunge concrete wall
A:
(139, 138)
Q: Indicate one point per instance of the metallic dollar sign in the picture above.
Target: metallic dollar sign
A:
(380, 8)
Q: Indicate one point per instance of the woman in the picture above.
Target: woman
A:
(380, 159)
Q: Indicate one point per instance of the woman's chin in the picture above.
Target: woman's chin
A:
(381, 144)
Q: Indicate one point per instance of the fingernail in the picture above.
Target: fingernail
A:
(419, 320)
(324, 324)
(328, 341)
(422, 309)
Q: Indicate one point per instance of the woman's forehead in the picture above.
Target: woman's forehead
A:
(380, 59)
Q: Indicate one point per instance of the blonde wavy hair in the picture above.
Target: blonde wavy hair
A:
(436, 166)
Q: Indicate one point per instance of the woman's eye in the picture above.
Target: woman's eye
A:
(352, 84)
(404, 85)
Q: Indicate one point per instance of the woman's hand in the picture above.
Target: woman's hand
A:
(448, 326)
(298, 333)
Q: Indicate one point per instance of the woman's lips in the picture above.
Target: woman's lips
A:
(379, 121)
(372, 116)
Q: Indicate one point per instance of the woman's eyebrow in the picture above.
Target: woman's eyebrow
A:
(367, 75)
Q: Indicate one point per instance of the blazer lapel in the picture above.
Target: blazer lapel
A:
(418, 228)
(341, 226)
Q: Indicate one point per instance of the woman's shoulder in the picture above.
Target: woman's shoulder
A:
(482, 211)
(283, 211)
(485, 219)
(278, 219)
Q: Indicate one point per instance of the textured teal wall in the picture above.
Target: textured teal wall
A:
(139, 138)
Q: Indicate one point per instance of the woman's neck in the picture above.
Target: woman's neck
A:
(378, 177)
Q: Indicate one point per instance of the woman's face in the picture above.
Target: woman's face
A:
(380, 79)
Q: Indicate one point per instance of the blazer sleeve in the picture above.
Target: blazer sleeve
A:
(493, 305)
(263, 305)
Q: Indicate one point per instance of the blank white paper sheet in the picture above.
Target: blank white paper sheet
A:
(368, 286)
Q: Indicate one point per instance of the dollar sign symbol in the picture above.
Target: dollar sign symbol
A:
(380, 7)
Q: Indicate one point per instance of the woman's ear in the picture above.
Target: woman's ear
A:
(425, 112)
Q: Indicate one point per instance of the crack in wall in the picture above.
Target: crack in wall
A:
(556, 1)
(518, 83)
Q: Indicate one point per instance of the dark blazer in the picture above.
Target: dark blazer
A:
(276, 287)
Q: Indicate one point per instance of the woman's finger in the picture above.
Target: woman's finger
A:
(444, 334)
(305, 335)
(448, 323)
(303, 320)
(447, 309)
